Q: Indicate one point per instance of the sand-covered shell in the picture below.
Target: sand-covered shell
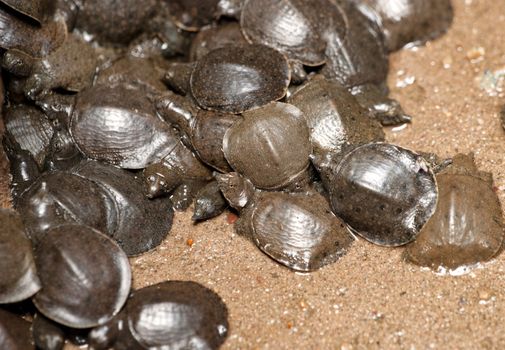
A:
(59, 198)
(35, 9)
(15, 332)
(336, 120)
(108, 22)
(297, 28)
(385, 193)
(191, 15)
(405, 22)
(237, 78)
(80, 289)
(207, 134)
(467, 226)
(18, 280)
(138, 223)
(119, 125)
(270, 146)
(211, 38)
(34, 40)
(30, 129)
(358, 56)
(298, 230)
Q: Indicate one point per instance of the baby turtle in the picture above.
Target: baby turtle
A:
(336, 121)
(297, 28)
(18, 280)
(79, 289)
(237, 78)
(191, 15)
(297, 230)
(407, 22)
(209, 202)
(385, 193)
(47, 334)
(35, 9)
(270, 146)
(168, 315)
(15, 332)
(467, 226)
(119, 125)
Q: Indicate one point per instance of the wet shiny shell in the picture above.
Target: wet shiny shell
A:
(191, 15)
(385, 193)
(237, 78)
(140, 224)
(298, 230)
(467, 226)
(177, 314)
(357, 57)
(34, 40)
(30, 128)
(270, 146)
(212, 38)
(207, 137)
(15, 332)
(31, 8)
(119, 125)
(58, 198)
(80, 289)
(294, 27)
(335, 119)
(409, 21)
(18, 280)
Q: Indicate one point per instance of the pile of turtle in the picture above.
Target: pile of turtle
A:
(117, 115)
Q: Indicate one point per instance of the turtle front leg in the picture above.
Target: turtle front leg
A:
(374, 98)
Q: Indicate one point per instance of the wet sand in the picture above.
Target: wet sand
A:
(372, 298)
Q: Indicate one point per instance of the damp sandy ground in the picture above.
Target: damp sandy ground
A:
(372, 298)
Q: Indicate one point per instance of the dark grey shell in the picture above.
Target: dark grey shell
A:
(270, 146)
(140, 224)
(297, 28)
(208, 130)
(29, 128)
(385, 193)
(15, 332)
(191, 15)
(336, 120)
(177, 314)
(408, 21)
(59, 198)
(358, 56)
(212, 38)
(237, 78)
(109, 22)
(18, 280)
(80, 289)
(467, 226)
(119, 125)
(298, 230)
(36, 41)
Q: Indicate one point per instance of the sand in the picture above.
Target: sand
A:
(372, 298)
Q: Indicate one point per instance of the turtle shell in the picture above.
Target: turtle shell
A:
(119, 125)
(15, 332)
(270, 146)
(140, 223)
(237, 78)
(297, 28)
(211, 38)
(80, 289)
(385, 193)
(18, 280)
(177, 314)
(34, 9)
(467, 226)
(298, 230)
(191, 15)
(33, 40)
